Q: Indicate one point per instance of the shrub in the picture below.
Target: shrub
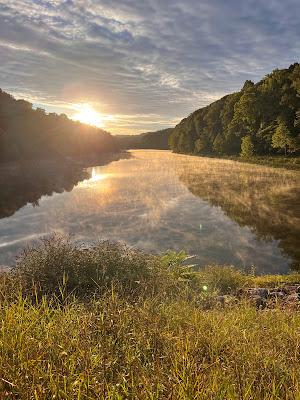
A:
(57, 266)
(222, 279)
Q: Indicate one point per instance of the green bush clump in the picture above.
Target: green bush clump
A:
(222, 279)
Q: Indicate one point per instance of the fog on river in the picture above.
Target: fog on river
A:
(222, 211)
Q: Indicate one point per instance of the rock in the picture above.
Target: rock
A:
(221, 300)
(292, 298)
(261, 292)
(276, 295)
(260, 302)
(239, 293)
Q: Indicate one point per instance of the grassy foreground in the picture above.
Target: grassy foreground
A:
(106, 322)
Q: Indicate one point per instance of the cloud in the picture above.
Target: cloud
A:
(162, 59)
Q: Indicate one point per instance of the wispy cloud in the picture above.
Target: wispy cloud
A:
(162, 59)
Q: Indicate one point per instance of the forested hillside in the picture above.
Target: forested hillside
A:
(262, 118)
(148, 140)
(26, 133)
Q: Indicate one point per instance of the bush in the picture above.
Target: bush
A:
(57, 266)
(222, 279)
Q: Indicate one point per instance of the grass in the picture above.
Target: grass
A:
(106, 322)
(275, 161)
(292, 163)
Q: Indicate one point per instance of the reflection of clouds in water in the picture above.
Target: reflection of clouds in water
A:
(22, 239)
(142, 202)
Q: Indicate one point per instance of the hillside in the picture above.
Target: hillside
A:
(27, 133)
(262, 118)
(147, 140)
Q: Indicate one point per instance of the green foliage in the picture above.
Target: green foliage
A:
(201, 145)
(282, 138)
(291, 163)
(255, 110)
(224, 280)
(247, 147)
(219, 144)
(246, 113)
(26, 133)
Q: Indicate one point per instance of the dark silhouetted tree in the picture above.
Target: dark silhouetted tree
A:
(27, 133)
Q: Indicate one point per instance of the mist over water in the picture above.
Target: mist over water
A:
(221, 211)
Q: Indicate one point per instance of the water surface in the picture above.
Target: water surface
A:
(224, 212)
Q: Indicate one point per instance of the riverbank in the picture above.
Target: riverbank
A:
(290, 163)
(108, 322)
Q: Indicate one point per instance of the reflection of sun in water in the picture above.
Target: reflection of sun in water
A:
(88, 115)
(96, 176)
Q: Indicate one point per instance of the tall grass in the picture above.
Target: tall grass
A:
(143, 337)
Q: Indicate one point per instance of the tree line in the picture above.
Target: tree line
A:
(262, 118)
(148, 140)
(28, 133)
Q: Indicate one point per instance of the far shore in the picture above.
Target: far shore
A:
(292, 163)
(25, 181)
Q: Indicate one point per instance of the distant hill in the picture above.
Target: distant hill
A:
(147, 140)
(262, 118)
(27, 133)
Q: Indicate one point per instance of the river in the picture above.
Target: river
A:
(221, 211)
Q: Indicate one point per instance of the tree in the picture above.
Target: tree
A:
(26, 133)
(201, 144)
(248, 85)
(255, 110)
(219, 144)
(282, 138)
(246, 118)
(247, 147)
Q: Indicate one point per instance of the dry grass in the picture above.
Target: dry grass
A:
(112, 349)
(155, 342)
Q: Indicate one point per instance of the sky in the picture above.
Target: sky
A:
(142, 65)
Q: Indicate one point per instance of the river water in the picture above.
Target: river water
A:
(221, 211)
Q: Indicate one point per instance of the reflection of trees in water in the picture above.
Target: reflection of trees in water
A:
(25, 183)
(264, 199)
(19, 186)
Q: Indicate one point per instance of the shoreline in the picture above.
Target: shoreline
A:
(292, 163)
(112, 322)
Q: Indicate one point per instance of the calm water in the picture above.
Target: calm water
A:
(221, 211)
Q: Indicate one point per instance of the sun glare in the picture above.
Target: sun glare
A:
(97, 176)
(88, 115)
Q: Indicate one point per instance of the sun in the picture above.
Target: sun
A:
(88, 115)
